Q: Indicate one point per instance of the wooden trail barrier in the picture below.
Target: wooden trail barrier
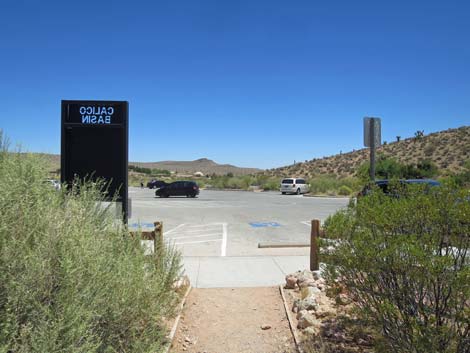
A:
(314, 249)
(156, 235)
(316, 232)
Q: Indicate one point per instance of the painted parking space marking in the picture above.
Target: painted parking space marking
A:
(223, 249)
(198, 242)
(188, 234)
(264, 224)
(173, 229)
(307, 223)
(196, 236)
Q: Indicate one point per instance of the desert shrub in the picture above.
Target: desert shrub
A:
(138, 169)
(389, 168)
(423, 169)
(463, 178)
(329, 184)
(385, 168)
(429, 150)
(271, 184)
(71, 278)
(344, 190)
(405, 262)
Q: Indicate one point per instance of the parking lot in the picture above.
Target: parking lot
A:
(232, 223)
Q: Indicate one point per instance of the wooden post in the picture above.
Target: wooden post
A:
(314, 251)
(158, 241)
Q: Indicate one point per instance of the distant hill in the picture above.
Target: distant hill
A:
(203, 165)
(448, 149)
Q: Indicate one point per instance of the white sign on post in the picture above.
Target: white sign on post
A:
(376, 133)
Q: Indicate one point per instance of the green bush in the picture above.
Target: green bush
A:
(389, 168)
(405, 262)
(330, 185)
(71, 280)
(463, 178)
(344, 190)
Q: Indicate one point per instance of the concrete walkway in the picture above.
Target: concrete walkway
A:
(243, 271)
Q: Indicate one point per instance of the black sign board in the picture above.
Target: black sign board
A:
(95, 144)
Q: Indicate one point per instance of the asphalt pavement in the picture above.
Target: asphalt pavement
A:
(218, 232)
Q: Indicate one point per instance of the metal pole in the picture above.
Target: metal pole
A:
(125, 210)
(372, 148)
(314, 234)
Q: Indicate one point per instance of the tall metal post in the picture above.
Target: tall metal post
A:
(372, 149)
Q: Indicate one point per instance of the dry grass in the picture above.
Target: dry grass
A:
(448, 149)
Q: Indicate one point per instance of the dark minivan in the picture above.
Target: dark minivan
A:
(384, 185)
(178, 188)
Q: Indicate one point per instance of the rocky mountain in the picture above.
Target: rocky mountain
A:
(203, 165)
(448, 149)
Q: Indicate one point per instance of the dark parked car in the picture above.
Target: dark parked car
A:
(155, 184)
(178, 188)
(384, 185)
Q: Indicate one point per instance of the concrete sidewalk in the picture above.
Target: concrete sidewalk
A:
(243, 271)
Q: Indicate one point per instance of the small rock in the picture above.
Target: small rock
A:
(308, 303)
(291, 281)
(322, 312)
(265, 327)
(308, 274)
(305, 319)
(187, 339)
(307, 283)
(316, 275)
(302, 279)
(308, 292)
(342, 299)
(310, 331)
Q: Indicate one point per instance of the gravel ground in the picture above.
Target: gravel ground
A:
(234, 320)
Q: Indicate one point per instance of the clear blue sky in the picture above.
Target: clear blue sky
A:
(252, 83)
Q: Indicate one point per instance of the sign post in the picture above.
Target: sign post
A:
(372, 139)
(95, 145)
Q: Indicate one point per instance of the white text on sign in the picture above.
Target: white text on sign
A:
(96, 115)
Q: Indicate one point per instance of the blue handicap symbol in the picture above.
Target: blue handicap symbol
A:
(264, 224)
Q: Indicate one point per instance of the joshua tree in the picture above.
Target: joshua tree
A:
(398, 138)
(419, 134)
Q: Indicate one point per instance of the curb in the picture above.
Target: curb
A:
(293, 330)
(171, 336)
(267, 245)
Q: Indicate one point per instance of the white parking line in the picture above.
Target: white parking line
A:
(173, 229)
(185, 234)
(198, 231)
(196, 236)
(307, 223)
(203, 225)
(196, 242)
(223, 247)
